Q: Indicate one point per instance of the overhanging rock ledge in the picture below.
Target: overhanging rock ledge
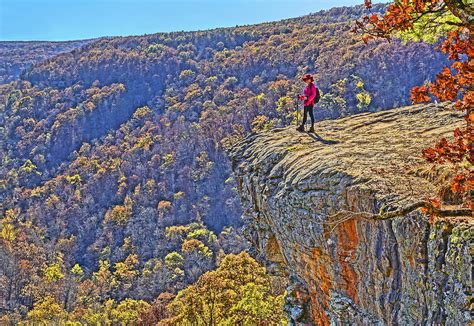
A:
(344, 269)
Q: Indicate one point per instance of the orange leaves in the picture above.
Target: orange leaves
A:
(434, 202)
(470, 117)
(465, 75)
(454, 45)
(373, 26)
(451, 83)
(420, 94)
(460, 182)
(446, 86)
(435, 205)
(461, 155)
(374, 19)
(454, 152)
(400, 16)
(449, 86)
(431, 154)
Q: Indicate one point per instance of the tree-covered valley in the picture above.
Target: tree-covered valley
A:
(117, 199)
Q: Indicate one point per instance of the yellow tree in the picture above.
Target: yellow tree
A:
(47, 311)
(238, 291)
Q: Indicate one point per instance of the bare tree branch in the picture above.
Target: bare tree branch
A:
(431, 210)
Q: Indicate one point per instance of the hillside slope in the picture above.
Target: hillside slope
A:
(108, 147)
(16, 57)
(303, 195)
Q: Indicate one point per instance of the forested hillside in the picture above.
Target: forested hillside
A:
(15, 57)
(115, 182)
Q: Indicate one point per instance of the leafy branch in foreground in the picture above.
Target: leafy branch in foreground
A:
(430, 20)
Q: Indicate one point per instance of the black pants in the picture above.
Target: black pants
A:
(308, 109)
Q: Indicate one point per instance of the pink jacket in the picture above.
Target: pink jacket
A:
(309, 94)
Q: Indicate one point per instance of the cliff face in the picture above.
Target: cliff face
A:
(301, 194)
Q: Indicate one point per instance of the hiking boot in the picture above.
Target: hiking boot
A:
(311, 129)
(300, 128)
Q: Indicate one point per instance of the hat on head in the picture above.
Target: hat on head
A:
(307, 76)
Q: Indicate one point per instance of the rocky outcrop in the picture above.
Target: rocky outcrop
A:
(303, 196)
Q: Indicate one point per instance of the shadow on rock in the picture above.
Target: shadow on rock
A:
(316, 137)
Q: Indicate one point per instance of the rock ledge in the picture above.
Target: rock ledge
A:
(346, 269)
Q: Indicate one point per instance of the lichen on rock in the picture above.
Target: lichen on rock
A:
(345, 269)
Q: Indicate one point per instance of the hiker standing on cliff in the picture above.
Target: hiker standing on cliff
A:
(310, 96)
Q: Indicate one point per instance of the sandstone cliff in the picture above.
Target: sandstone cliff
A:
(301, 194)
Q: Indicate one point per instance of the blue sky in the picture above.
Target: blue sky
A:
(57, 20)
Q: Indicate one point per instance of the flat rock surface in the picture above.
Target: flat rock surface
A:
(380, 151)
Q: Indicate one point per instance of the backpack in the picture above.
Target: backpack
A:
(318, 95)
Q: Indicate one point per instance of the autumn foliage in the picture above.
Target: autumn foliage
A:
(451, 22)
(115, 184)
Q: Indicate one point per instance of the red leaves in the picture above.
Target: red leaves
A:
(453, 46)
(454, 152)
(459, 182)
(400, 16)
(420, 94)
(374, 19)
(470, 117)
(451, 83)
(461, 155)
(435, 204)
(446, 86)
(372, 26)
